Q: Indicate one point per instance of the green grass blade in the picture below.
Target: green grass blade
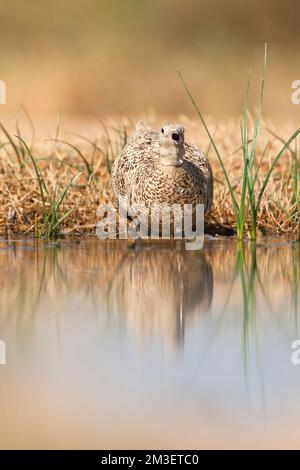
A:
(63, 217)
(271, 169)
(88, 167)
(58, 201)
(295, 170)
(41, 181)
(16, 150)
(234, 201)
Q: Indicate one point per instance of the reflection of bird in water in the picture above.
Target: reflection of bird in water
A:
(160, 292)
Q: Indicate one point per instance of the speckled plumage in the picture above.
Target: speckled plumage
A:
(155, 168)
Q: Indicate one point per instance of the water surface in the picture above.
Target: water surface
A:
(149, 346)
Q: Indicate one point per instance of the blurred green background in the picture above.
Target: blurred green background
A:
(121, 57)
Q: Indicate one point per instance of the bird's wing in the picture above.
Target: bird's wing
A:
(197, 157)
(200, 160)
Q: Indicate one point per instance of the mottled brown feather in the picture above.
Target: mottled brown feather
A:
(139, 175)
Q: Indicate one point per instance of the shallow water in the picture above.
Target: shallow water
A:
(149, 346)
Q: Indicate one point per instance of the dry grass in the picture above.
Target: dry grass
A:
(64, 156)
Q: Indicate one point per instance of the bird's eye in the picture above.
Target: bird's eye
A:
(162, 130)
(175, 136)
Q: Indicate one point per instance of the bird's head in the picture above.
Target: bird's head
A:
(171, 139)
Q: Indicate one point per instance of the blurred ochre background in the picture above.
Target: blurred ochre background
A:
(120, 57)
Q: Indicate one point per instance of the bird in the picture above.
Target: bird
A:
(159, 167)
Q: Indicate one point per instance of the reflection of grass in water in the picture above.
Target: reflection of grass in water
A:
(247, 278)
(250, 281)
(26, 323)
(30, 283)
(295, 286)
